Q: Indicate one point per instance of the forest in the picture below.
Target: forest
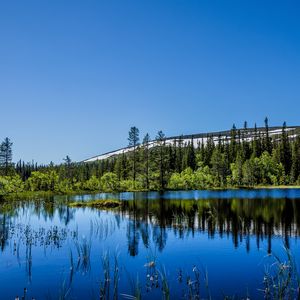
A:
(236, 162)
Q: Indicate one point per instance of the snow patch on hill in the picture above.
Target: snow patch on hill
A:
(198, 139)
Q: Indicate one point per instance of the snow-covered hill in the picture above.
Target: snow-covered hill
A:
(198, 139)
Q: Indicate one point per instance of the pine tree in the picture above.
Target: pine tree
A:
(6, 155)
(233, 144)
(245, 144)
(124, 167)
(295, 170)
(160, 139)
(133, 139)
(267, 144)
(146, 155)
(68, 164)
(256, 143)
(179, 155)
(209, 149)
(191, 156)
(285, 150)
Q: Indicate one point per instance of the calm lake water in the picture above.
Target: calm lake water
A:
(53, 250)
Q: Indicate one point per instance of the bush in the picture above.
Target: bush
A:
(109, 182)
(93, 184)
(11, 184)
(43, 181)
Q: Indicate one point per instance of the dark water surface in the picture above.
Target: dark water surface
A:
(53, 250)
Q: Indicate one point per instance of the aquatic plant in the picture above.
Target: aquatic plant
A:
(107, 284)
(84, 254)
(165, 285)
(281, 278)
(135, 288)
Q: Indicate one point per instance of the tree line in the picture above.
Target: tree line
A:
(246, 158)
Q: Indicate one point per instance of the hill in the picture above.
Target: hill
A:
(199, 138)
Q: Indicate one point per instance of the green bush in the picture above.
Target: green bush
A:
(11, 184)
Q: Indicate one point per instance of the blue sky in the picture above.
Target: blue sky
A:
(75, 75)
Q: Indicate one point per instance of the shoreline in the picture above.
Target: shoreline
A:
(38, 194)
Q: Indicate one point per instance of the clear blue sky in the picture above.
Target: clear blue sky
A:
(75, 75)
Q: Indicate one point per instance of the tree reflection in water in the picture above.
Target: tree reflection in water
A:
(236, 218)
(151, 220)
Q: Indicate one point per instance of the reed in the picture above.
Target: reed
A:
(281, 278)
(84, 255)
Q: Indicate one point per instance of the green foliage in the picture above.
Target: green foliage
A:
(92, 184)
(11, 184)
(236, 160)
(109, 182)
(43, 181)
(130, 185)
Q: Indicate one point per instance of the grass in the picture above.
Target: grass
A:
(276, 187)
(97, 203)
(281, 280)
(84, 254)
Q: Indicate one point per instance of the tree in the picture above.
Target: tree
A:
(245, 143)
(219, 166)
(256, 143)
(178, 159)
(160, 140)
(285, 150)
(146, 142)
(295, 170)
(267, 145)
(133, 139)
(6, 155)
(68, 164)
(232, 146)
(190, 155)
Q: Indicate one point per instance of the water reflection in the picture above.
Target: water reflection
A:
(32, 231)
(152, 219)
(236, 218)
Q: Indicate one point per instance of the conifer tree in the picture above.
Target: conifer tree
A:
(191, 157)
(146, 155)
(233, 145)
(160, 139)
(6, 155)
(285, 150)
(295, 169)
(267, 146)
(179, 155)
(256, 143)
(68, 164)
(133, 139)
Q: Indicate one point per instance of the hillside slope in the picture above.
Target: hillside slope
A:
(199, 138)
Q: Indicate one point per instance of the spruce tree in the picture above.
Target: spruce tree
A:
(160, 140)
(6, 155)
(68, 164)
(133, 139)
(191, 156)
(146, 156)
(285, 150)
(267, 145)
(179, 155)
(295, 169)
(233, 144)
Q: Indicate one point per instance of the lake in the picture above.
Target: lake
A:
(191, 244)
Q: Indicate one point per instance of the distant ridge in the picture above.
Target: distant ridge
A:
(198, 138)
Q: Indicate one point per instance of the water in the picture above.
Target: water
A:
(53, 250)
